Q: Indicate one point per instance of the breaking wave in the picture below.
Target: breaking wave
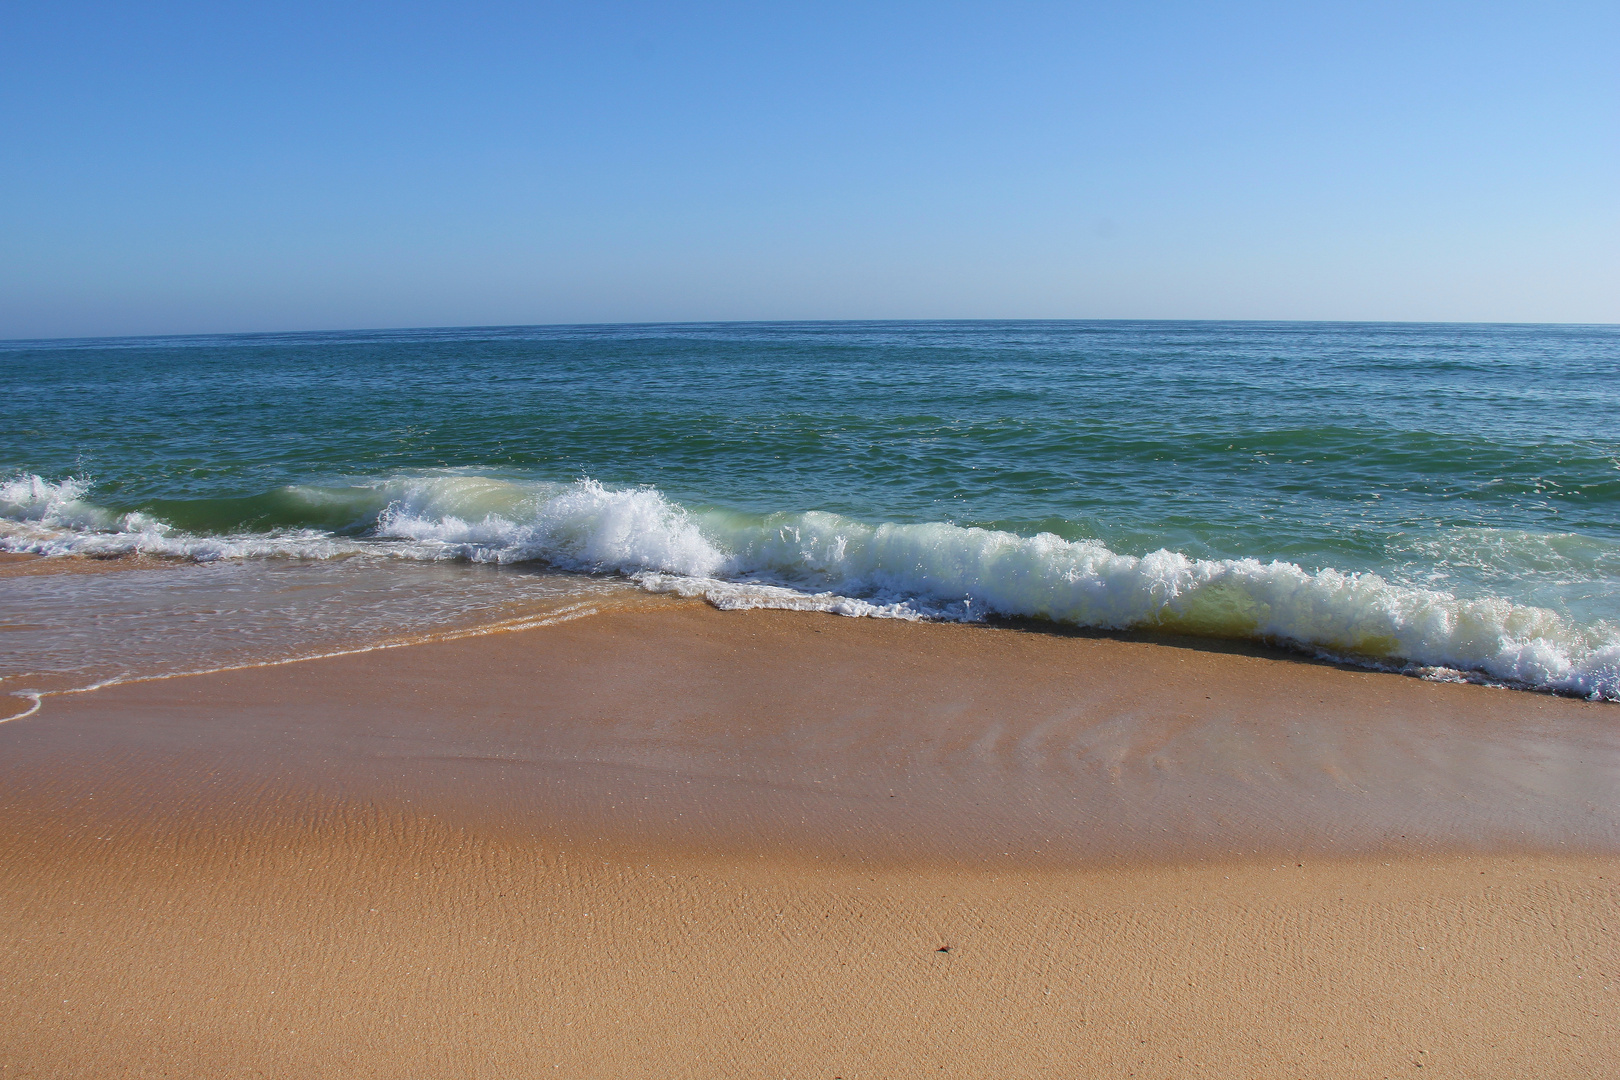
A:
(826, 562)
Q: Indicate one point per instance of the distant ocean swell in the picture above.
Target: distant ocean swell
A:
(821, 561)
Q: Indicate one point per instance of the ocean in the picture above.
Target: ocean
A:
(1438, 499)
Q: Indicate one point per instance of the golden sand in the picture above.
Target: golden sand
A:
(668, 841)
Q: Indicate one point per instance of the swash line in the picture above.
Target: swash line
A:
(562, 615)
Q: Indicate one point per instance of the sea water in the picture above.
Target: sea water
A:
(1438, 498)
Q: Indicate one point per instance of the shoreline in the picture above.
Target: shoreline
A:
(1175, 630)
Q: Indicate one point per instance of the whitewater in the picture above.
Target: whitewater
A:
(821, 561)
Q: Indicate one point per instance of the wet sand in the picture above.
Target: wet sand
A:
(665, 840)
(22, 564)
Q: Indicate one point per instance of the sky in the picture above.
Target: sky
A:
(217, 167)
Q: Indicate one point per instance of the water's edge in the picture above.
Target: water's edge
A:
(827, 562)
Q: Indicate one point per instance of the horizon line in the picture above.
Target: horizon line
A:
(473, 327)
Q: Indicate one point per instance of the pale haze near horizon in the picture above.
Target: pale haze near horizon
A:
(187, 169)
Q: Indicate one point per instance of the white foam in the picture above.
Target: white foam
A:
(823, 562)
(32, 499)
(584, 526)
(44, 518)
(750, 595)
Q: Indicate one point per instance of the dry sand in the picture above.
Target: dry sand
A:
(667, 841)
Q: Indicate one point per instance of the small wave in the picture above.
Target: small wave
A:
(583, 526)
(825, 562)
(32, 499)
(753, 596)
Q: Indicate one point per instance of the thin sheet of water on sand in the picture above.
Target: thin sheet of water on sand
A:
(74, 622)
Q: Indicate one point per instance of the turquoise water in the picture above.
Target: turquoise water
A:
(1443, 496)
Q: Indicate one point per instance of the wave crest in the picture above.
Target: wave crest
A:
(582, 527)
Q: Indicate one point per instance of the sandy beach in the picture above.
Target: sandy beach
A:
(809, 543)
(766, 843)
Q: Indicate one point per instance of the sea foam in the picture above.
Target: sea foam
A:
(40, 517)
(821, 561)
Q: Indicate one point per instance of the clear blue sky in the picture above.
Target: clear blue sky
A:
(221, 166)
